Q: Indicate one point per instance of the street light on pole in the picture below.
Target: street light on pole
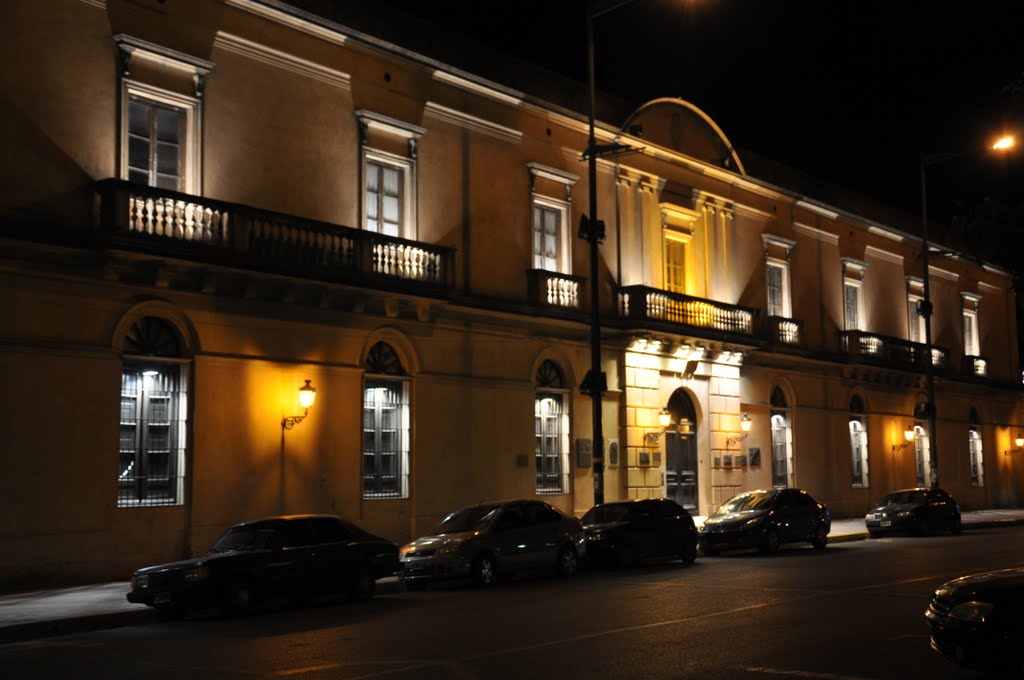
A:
(925, 309)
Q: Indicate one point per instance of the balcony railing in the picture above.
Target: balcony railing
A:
(642, 303)
(201, 228)
(551, 289)
(783, 331)
(975, 366)
(882, 349)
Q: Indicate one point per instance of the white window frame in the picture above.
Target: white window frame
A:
(561, 454)
(976, 456)
(191, 170)
(402, 452)
(407, 227)
(922, 455)
(859, 449)
(972, 344)
(563, 259)
(785, 310)
(858, 298)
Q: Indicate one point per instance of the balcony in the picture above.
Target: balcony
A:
(554, 291)
(173, 224)
(975, 366)
(706, 318)
(783, 331)
(889, 351)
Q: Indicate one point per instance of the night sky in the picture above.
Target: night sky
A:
(849, 91)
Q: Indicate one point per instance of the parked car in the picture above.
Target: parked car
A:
(918, 510)
(297, 556)
(975, 621)
(626, 532)
(483, 541)
(765, 520)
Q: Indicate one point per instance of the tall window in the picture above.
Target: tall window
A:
(551, 430)
(675, 262)
(385, 425)
(778, 289)
(971, 347)
(922, 446)
(782, 440)
(852, 306)
(974, 447)
(915, 320)
(155, 133)
(858, 442)
(153, 417)
(383, 198)
(549, 246)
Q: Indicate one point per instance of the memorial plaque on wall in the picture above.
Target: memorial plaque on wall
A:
(584, 453)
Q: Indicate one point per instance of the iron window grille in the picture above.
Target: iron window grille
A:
(551, 431)
(386, 417)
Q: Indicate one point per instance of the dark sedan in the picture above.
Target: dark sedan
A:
(298, 557)
(626, 532)
(765, 520)
(976, 621)
(914, 510)
(482, 541)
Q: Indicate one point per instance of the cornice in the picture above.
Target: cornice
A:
(475, 87)
(817, 234)
(872, 251)
(290, 20)
(943, 274)
(282, 60)
(464, 120)
(817, 209)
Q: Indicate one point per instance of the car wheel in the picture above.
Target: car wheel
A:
(771, 542)
(484, 571)
(567, 562)
(239, 598)
(820, 538)
(955, 526)
(689, 552)
(362, 585)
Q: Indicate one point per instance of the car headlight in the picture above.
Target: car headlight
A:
(972, 612)
(197, 574)
(406, 549)
(140, 581)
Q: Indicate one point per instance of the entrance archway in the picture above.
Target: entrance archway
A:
(681, 451)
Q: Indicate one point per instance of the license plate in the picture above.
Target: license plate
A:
(162, 598)
(886, 522)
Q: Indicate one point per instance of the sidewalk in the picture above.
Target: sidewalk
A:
(44, 613)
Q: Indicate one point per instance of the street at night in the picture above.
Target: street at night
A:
(852, 611)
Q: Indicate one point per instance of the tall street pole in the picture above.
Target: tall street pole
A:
(926, 311)
(594, 235)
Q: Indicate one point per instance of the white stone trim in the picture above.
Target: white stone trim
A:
(818, 234)
(464, 120)
(548, 172)
(991, 288)
(476, 88)
(885, 233)
(817, 209)
(282, 60)
(895, 258)
(392, 126)
(943, 274)
(291, 21)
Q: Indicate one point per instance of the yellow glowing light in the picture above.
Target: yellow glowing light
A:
(745, 423)
(1019, 441)
(908, 434)
(1003, 143)
(307, 395)
(664, 418)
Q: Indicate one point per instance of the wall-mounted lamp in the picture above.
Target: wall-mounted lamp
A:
(744, 427)
(1019, 441)
(307, 395)
(908, 436)
(664, 420)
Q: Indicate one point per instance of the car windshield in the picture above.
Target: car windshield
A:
(755, 500)
(245, 537)
(904, 498)
(467, 519)
(613, 512)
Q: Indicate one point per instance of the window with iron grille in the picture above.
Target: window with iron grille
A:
(153, 417)
(384, 198)
(551, 431)
(385, 425)
(858, 442)
(782, 442)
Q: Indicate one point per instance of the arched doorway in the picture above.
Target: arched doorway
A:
(681, 451)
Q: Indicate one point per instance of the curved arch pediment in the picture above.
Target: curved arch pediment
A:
(680, 126)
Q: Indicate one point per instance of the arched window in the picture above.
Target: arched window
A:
(975, 449)
(385, 424)
(782, 440)
(154, 412)
(551, 430)
(858, 441)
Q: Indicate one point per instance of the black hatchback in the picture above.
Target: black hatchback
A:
(765, 520)
(919, 510)
(626, 532)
